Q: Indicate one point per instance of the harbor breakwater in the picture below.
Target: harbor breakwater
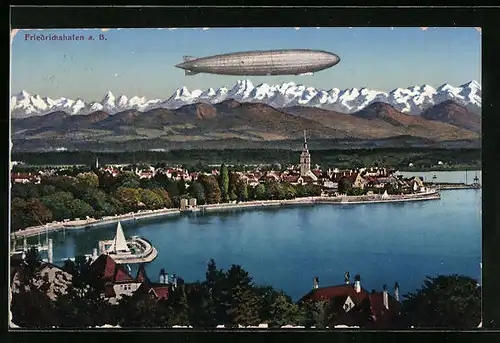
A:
(337, 200)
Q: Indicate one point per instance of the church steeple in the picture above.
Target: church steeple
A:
(305, 158)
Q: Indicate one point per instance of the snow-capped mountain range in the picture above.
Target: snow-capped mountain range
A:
(412, 100)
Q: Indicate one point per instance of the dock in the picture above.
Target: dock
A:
(453, 186)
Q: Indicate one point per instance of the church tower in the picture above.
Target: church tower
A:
(305, 158)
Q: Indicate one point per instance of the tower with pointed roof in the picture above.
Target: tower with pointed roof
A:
(119, 242)
(305, 158)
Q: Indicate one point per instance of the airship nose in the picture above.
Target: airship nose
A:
(180, 65)
(334, 59)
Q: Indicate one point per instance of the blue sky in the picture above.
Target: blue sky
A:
(141, 61)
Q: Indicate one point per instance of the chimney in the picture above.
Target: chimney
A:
(396, 291)
(174, 281)
(316, 283)
(386, 297)
(346, 278)
(94, 254)
(357, 283)
(166, 278)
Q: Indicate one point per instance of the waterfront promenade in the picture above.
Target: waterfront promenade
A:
(338, 200)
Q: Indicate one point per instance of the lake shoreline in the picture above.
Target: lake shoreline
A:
(338, 200)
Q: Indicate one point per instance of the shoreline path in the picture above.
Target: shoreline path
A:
(338, 200)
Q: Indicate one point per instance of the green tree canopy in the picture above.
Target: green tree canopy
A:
(345, 185)
(197, 191)
(167, 202)
(88, 180)
(129, 197)
(151, 199)
(224, 183)
(242, 191)
(444, 302)
(212, 189)
(274, 191)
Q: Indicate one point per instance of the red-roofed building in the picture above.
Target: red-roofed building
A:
(352, 305)
(157, 291)
(384, 312)
(25, 178)
(317, 172)
(293, 179)
(115, 277)
(146, 174)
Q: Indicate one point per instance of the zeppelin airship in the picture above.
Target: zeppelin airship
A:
(269, 62)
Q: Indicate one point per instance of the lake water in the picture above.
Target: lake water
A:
(287, 247)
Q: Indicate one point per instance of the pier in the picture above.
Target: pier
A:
(123, 251)
(48, 247)
(452, 186)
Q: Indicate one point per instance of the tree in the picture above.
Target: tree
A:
(242, 191)
(214, 286)
(244, 307)
(128, 180)
(141, 311)
(260, 192)
(99, 200)
(181, 186)
(196, 191)
(224, 183)
(129, 197)
(212, 189)
(312, 190)
(283, 312)
(172, 188)
(240, 302)
(274, 191)
(60, 204)
(151, 199)
(78, 307)
(447, 302)
(233, 186)
(178, 307)
(38, 213)
(167, 202)
(288, 191)
(314, 313)
(31, 307)
(300, 191)
(80, 209)
(24, 191)
(88, 180)
(345, 185)
(63, 183)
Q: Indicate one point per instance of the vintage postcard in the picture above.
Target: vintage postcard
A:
(314, 177)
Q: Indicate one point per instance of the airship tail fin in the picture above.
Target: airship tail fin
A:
(189, 72)
(188, 58)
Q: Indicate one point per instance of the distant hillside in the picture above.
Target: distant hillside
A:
(452, 113)
(234, 124)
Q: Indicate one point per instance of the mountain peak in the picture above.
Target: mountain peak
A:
(109, 96)
(471, 84)
(411, 100)
(22, 95)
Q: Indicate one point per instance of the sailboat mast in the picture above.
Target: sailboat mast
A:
(465, 177)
